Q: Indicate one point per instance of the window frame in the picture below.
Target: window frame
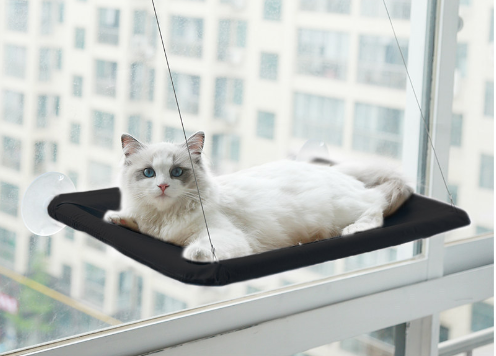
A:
(265, 320)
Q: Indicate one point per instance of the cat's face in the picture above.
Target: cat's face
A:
(160, 174)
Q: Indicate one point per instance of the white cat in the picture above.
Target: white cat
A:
(267, 207)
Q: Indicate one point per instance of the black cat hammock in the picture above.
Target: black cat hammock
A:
(50, 203)
(418, 218)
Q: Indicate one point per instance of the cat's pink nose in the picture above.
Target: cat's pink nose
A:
(163, 186)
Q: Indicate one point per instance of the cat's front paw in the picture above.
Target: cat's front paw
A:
(198, 253)
(358, 227)
(115, 218)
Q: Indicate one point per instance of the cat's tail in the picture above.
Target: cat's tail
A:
(382, 177)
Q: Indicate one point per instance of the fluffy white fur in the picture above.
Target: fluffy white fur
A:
(258, 209)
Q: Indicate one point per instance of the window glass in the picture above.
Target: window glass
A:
(466, 319)
(14, 60)
(380, 342)
(17, 15)
(471, 159)
(13, 107)
(79, 38)
(108, 26)
(265, 124)
(268, 65)
(187, 89)
(67, 97)
(335, 6)
(323, 53)
(186, 36)
(11, 153)
(272, 10)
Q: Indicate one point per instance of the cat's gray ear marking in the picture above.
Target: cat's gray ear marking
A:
(130, 145)
(196, 142)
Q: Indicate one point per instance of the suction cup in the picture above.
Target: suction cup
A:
(312, 149)
(37, 198)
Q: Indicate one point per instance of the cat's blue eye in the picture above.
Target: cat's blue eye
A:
(148, 172)
(176, 172)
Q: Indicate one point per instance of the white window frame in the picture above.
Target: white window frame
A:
(299, 317)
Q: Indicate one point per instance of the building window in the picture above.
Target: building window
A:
(79, 37)
(142, 79)
(11, 153)
(228, 98)
(140, 128)
(335, 6)
(129, 296)
(187, 91)
(232, 39)
(50, 60)
(46, 18)
(17, 15)
(75, 133)
(318, 118)
(175, 135)
(489, 99)
(144, 30)
(165, 304)
(139, 24)
(108, 26)
(380, 62)
(106, 76)
(9, 198)
(378, 130)
(42, 111)
(225, 147)
(103, 129)
(94, 284)
(272, 10)
(13, 107)
(99, 176)
(77, 86)
(453, 189)
(265, 125)
(65, 283)
(14, 61)
(268, 66)
(486, 172)
(456, 130)
(461, 58)
(69, 233)
(322, 53)
(54, 148)
(479, 230)
(398, 9)
(482, 316)
(443, 333)
(137, 81)
(186, 36)
(39, 157)
(7, 247)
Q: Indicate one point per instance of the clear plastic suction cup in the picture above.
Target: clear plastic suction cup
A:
(312, 149)
(37, 198)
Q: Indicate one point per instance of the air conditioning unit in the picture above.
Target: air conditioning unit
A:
(235, 55)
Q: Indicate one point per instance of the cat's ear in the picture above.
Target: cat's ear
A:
(130, 145)
(196, 142)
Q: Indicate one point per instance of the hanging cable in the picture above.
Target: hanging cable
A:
(184, 132)
(418, 104)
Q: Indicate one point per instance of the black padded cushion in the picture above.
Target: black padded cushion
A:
(418, 218)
